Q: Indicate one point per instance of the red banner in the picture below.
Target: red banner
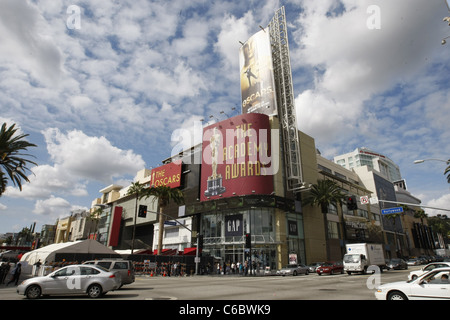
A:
(167, 175)
(236, 157)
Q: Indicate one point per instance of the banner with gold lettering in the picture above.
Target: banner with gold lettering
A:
(167, 175)
(257, 78)
(236, 157)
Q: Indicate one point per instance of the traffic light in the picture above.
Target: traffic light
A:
(142, 211)
(248, 241)
(200, 241)
(351, 203)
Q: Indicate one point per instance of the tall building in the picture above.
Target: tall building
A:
(365, 157)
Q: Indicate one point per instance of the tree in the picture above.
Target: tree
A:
(447, 171)
(137, 189)
(12, 161)
(164, 194)
(322, 194)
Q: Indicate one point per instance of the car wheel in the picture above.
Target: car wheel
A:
(33, 292)
(294, 273)
(396, 295)
(414, 277)
(94, 291)
(306, 272)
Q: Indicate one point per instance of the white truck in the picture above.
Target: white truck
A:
(360, 256)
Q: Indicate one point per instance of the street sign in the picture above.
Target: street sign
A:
(364, 199)
(374, 200)
(170, 223)
(392, 210)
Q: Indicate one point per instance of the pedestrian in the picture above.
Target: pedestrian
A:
(6, 267)
(2, 271)
(37, 267)
(15, 274)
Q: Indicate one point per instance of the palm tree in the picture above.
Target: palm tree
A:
(12, 161)
(322, 194)
(447, 171)
(164, 194)
(135, 188)
(393, 218)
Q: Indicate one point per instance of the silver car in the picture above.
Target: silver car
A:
(94, 281)
(293, 269)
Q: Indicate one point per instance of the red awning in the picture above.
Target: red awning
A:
(190, 251)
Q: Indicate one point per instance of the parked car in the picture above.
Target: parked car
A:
(331, 267)
(397, 264)
(415, 274)
(125, 267)
(424, 259)
(413, 262)
(293, 269)
(431, 285)
(313, 266)
(74, 279)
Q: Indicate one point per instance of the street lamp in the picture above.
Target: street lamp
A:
(423, 160)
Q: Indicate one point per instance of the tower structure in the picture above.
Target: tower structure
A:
(285, 100)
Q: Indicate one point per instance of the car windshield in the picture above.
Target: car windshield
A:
(290, 266)
(351, 258)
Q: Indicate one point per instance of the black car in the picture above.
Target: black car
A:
(397, 264)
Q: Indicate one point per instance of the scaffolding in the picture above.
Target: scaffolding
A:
(285, 100)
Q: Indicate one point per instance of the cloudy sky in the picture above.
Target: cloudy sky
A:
(101, 86)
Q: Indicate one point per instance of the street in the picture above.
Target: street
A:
(229, 287)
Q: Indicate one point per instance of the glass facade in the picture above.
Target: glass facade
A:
(224, 235)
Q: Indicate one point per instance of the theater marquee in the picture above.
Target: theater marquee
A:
(236, 157)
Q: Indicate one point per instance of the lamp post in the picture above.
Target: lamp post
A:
(423, 160)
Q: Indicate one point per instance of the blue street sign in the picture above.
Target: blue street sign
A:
(392, 210)
(170, 223)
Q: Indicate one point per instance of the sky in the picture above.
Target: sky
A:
(104, 87)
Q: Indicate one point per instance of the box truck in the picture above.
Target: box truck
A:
(360, 256)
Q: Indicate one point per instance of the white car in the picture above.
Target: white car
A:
(94, 281)
(431, 285)
(415, 274)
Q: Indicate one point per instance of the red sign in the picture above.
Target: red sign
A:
(236, 157)
(115, 227)
(167, 175)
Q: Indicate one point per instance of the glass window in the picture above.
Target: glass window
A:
(104, 264)
(89, 271)
(333, 230)
(332, 208)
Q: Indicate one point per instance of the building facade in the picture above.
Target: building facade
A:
(361, 157)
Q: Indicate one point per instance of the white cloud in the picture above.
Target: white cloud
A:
(55, 207)
(23, 42)
(78, 160)
(442, 202)
(92, 158)
(354, 64)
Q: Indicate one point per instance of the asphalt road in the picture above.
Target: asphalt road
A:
(268, 288)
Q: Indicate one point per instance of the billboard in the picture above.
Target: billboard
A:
(257, 78)
(167, 175)
(236, 157)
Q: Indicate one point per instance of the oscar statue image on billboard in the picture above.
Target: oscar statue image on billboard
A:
(214, 183)
(257, 79)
